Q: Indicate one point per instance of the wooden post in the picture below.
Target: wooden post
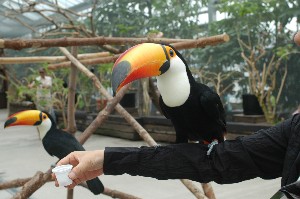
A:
(71, 96)
(71, 104)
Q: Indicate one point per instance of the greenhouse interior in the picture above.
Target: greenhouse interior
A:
(163, 99)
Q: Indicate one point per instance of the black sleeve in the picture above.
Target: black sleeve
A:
(259, 155)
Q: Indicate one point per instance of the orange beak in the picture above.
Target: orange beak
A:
(140, 61)
(28, 117)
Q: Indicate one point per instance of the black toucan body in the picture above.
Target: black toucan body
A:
(195, 110)
(56, 142)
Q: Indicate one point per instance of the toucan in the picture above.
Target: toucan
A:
(55, 141)
(195, 110)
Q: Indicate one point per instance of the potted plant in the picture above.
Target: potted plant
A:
(262, 66)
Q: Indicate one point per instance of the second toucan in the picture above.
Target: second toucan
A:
(55, 141)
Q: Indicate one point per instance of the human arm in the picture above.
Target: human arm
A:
(263, 154)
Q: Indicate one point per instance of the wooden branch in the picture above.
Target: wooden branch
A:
(15, 183)
(18, 44)
(140, 130)
(262, 54)
(92, 55)
(43, 36)
(208, 190)
(197, 192)
(282, 83)
(23, 23)
(110, 49)
(102, 116)
(49, 59)
(102, 60)
(118, 194)
(202, 42)
(37, 181)
(228, 87)
(244, 45)
(47, 18)
(179, 46)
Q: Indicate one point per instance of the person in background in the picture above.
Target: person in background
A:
(43, 84)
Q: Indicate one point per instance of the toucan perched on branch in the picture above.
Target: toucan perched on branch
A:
(56, 142)
(195, 110)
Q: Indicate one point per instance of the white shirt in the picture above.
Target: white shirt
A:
(44, 82)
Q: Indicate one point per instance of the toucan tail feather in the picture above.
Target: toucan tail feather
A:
(95, 186)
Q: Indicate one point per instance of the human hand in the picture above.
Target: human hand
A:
(86, 165)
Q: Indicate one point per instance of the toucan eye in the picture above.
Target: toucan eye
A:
(171, 53)
(44, 117)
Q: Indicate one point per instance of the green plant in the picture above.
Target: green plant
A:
(18, 90)
(262, 68)
(86, 91)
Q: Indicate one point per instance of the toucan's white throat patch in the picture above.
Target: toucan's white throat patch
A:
(174, 85)
(44, 127)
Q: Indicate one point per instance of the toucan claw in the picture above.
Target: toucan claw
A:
(211, 146)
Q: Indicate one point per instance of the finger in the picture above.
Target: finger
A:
(78, 175)
(69, 159)
(54, 178)
(56, 183)
(77, 181)
(63, 161)
(72, 175)
(78, 170)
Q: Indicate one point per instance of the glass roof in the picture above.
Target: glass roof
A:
(69, 3)
(17, 16)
